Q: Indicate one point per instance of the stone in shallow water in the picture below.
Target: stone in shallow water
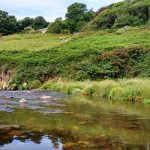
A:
(46, 97)
(23, 101)
(6, 108)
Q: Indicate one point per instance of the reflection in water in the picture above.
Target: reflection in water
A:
(71, 124)
(45, 144)
(15, 138)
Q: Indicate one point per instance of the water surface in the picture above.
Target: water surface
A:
(71, 123)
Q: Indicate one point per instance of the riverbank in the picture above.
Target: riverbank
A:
(79, 64)
(133, 90)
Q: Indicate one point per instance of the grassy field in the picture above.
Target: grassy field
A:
(31, 41)
(100, 41)
(28, 61)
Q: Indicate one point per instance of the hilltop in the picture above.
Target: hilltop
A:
(118, 15)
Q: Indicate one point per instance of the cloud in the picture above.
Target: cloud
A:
(50, 9)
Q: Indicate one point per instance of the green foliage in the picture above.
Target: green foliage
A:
(28, 29)
(124, 20)
(116, 93)
(65, 31)
(26, 22)
(46, 86)
(34, 84)
(8, 24)
(76, 11)
(99, 55)
(77, 17)
(56, 27)
(146, 101)
(133, 90)
(119, 62)
(89, 70)
(133, 13)
(91, 90)
(72, 89)
(39, 23)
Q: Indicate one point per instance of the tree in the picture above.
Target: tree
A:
(76, 11)
(57, 26)
(8, 24)
(26, 22)
(39, 23)
(77, 16)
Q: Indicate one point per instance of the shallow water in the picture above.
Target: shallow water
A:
(71, 123)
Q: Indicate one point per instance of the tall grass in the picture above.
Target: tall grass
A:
(135, 90)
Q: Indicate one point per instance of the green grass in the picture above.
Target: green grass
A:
(100, 41)
(31, 41)
(134, 90)
(88, 56)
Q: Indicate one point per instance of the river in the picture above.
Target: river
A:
(68, 122)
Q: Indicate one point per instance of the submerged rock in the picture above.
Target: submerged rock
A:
(10, 97)
(46, 97)
(23, 101)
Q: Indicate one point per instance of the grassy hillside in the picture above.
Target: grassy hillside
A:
(31, 41)
(93, 56)
(125, 13)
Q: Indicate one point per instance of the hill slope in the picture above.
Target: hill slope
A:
(128, 12)
(93, 56)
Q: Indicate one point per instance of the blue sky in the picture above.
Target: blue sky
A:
(50, 9)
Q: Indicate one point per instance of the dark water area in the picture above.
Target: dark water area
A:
(62, 122)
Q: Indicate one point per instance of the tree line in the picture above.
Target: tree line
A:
(79, 18)
(76, 17)
(10, 25)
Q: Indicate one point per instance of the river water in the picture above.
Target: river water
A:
(71, 123)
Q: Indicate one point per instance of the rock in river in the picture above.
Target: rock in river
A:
(45, 97)
(23, 101)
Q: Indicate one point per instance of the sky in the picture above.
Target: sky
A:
(49, 9)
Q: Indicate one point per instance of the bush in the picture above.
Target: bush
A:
(28, 30)
(46, 86)
(119, 62)
(70, 89)
(91, 90)
(86, 70)
(146, 101)
(127, 20)
(65, 31)
(35, 84)
(56, 27)
(116, 93)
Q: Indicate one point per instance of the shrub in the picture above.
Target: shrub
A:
(116, 93)
(89, 91)
(70, 89)
(28, 30)
(46, 86)
(86, 70)
(127, 20)
(146, 101)
(65, 31)
(35, 84)
(119, 62)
